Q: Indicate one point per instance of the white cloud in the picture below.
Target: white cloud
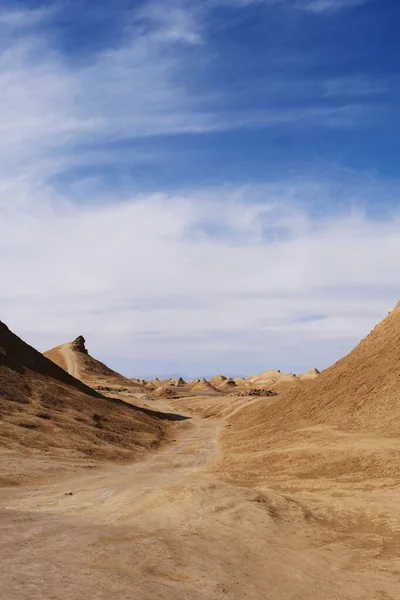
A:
(313, 6)
(178, 23)
(52, 107)
(330, 6)
(25, 18)
(195, 279)
(48, 104)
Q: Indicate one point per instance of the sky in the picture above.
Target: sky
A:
(199, 186)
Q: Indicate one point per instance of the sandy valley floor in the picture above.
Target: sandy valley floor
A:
(171, 526)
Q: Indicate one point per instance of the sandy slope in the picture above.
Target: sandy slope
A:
(75, 359)
(211, 406)
(204, 387)
(311, 431)
(335, 445)
(44, 410)
(169, 528)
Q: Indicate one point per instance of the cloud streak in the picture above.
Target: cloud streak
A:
(17, 19)
(318, 7)
(141, 86)
(330, 6)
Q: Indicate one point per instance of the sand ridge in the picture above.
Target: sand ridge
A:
(76, 360)
(204, 386)
(45, 409)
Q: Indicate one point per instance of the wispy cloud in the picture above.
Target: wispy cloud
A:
(313, 6)
(356, 86)
(26, 18)
(179, 23)
(142, 85)
(53, 109)
(330, 6)
(50, 104)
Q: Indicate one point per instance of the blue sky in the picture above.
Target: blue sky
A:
(199, 186)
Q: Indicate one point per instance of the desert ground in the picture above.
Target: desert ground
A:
(278, 487)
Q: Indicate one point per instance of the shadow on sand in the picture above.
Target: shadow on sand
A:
(164, 416)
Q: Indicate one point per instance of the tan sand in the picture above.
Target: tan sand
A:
(310, 375)
(293, 497)
(75, 359)
(44, 409)
(228, 386)
(217, 380)
(204, 387)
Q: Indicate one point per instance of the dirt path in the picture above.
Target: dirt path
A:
(168, 528)
(70, 361)
(109, 495)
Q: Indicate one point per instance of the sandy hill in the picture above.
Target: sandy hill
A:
(275, 381)
(217, 380)
(167, 382)
(44, 408)
(269, 375)
(150, 386)
(180, 382)
(273, 377)
(256, 385)
(310, 375)
(205, 387)
(190, 385)
(228, 386)
(165, 392)
(314, 428)
(75, 359)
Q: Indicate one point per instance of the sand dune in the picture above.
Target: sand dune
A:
(150, 386)
(167, 382)
(359, 391)
(228, 386)
(204, 387)
(275, 381)
(165, 392)
(310, 375)
(217, 380)
(75, 359)
(271, 380)
(338, 425)
(45, 409)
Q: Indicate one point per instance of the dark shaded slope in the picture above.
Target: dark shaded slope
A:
(44, 408)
